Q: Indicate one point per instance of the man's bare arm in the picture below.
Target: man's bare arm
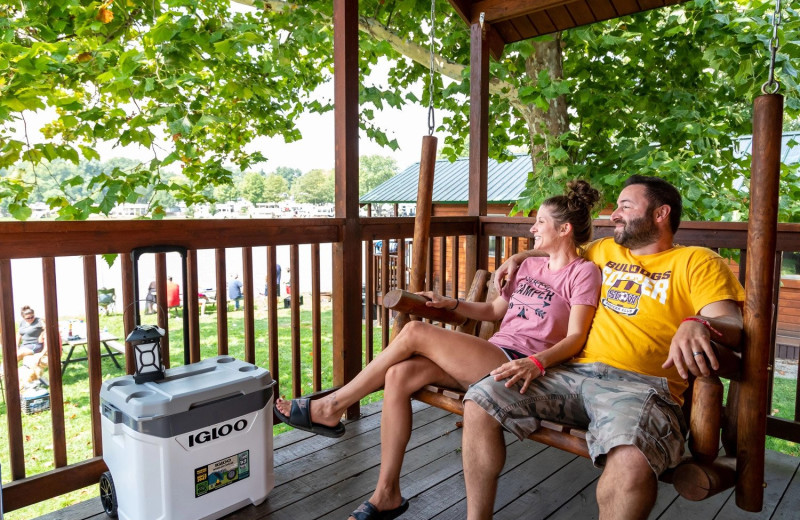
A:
(719, 321)
(511, 264)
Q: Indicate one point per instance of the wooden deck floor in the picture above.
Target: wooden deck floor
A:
(317, 477)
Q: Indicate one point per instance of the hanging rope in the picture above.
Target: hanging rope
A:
(431, 117)
(772, 86)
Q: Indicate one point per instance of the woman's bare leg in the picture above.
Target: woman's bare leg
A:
(402, 380)
(463, 357)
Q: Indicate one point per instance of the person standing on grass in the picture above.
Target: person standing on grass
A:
(546, 309)
(235, 291)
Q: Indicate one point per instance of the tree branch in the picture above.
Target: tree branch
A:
(415, 52)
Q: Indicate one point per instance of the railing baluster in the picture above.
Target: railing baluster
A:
(429, 269)
(162, 306)
(272, 317)
(192, 307)
(443, 269)
(456, 275)
(128, 312)
(316, 321)
(385, 288)
(294, 261)
(13, 404)
(498, 252)
(222, 302)
(776, 287)
(93, 348)
(249, 306)
(401, 264)
(368, 295)
(54, 362)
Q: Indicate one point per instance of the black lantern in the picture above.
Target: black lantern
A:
(146, 343)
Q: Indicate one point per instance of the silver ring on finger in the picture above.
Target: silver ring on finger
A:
(697, 353)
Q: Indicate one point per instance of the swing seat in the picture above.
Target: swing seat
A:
(702, 473)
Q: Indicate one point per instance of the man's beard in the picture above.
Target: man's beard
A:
(637, 233)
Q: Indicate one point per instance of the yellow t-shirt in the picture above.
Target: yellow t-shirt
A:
(643, 300)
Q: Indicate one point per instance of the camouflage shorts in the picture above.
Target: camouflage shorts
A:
(616, 407)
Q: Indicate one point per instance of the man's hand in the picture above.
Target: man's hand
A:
(691, 349)
(510, 266)
(515, 370)
(690, 346)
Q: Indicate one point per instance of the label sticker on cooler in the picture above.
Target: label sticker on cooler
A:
(221, 473)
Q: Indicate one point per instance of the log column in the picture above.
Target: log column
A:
(477, 245)
(761, 239)
(347, 252)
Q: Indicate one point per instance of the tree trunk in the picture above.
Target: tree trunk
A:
(542, 125)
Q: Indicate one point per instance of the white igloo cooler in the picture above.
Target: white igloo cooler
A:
(195, 445)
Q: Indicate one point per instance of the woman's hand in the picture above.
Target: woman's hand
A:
(437, 300)
(518, 369)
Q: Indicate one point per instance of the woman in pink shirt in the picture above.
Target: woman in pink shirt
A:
(547, 310)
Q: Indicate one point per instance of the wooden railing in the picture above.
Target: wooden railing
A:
(48, 240)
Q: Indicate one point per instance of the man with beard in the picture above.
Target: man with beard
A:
(660, 306)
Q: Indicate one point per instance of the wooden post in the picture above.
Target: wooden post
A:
(477, 246)
(347, 252)
(422, 225)
(761, 239)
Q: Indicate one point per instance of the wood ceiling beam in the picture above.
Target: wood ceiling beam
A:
(499, 10)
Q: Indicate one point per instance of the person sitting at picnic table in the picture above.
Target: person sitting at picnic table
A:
(150, 298)
(31, 334)
(546, 309)
(660, 306)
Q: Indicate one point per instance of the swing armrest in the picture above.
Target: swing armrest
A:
(410, 303)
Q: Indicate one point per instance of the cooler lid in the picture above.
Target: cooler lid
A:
(185, 387)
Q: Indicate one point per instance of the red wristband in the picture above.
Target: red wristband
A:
(706, 323)
(538, 364)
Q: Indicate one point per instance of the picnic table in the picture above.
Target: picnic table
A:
(110, 342)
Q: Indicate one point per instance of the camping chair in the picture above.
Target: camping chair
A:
(700, 475)
(106, 298)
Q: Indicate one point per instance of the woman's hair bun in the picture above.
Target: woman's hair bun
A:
(581, 194)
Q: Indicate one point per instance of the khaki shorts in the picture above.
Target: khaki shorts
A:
(616, 407)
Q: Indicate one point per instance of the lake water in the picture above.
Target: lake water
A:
(28, 285)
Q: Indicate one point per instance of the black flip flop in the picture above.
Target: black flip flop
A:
(366, 511)
(300, 418)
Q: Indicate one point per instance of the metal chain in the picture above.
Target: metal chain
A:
(772, 86)
(431, 117)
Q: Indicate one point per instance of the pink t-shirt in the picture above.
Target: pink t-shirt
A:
(539, 303)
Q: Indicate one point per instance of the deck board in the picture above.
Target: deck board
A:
(318, 477)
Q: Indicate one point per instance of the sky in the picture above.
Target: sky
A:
(407, 126)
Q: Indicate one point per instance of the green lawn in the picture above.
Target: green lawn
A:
(37, 427)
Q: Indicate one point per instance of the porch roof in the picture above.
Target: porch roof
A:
(514, 21)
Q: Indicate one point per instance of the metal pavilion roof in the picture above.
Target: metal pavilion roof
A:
(451, 183)
(790, 152)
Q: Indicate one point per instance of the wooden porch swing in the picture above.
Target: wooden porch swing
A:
(740, 424)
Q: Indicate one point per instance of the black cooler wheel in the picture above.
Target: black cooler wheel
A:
(108, 495)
